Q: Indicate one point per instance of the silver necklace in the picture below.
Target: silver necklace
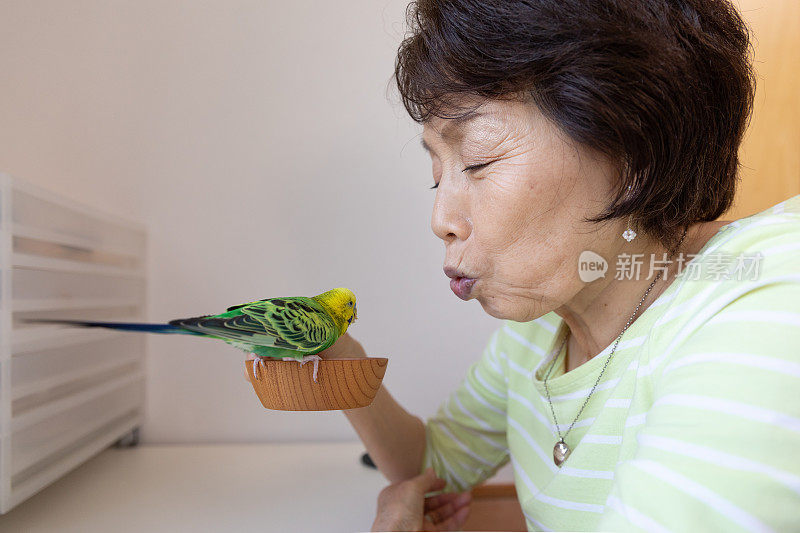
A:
(561, 451)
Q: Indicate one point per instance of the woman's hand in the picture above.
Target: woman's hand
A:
(403, 507)
(345, 347)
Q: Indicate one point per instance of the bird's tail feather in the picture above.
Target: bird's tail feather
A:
(122, 326)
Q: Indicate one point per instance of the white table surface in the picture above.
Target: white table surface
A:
(239, 488)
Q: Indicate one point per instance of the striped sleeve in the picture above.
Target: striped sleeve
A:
(465, 441)
(719, 448)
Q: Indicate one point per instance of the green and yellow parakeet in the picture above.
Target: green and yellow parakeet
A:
(291, 328)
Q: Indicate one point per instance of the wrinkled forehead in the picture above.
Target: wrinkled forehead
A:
(449, 129)
(492, 118)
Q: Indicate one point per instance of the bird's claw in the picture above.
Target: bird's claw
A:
(306, 359)
(256, 366)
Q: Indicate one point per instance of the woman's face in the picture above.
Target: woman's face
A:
(512, 193)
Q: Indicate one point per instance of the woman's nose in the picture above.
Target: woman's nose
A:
(448, 220)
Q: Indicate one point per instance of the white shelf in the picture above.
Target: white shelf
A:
(68, 377)
(63, 440)
(34, 339)
(40, 414)
(66, 304)
(34, 484)
(39, 234)
(72, 205)
(64, 391)
(20, 260)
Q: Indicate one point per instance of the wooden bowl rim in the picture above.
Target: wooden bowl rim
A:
(343, 359)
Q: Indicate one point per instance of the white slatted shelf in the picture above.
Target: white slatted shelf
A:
(42, 413)
(34, 339)
(85, 210)
(66, 438)
(43, 385)
(20, 260)
(80, 208)
(67, 304)
(39, 234)
(34, 484)
(65, 393)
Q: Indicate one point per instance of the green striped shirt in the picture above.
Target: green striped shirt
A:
(695, 424)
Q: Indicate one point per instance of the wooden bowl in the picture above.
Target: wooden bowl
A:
(341, 383)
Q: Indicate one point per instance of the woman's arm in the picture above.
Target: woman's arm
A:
(464, 442)
(394, 438)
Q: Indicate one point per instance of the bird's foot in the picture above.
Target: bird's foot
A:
(306, 359)
(256, 367)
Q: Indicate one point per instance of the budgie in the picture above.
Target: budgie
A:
(293, 328)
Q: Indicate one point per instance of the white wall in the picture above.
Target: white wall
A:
(257, 141)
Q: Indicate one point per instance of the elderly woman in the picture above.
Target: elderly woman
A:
(646, 375)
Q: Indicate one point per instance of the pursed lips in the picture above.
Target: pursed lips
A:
(460, 283)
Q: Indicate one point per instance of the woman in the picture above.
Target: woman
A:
(646, 374)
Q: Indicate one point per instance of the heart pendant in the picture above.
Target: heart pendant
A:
(560, 452)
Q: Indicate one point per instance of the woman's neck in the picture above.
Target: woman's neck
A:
(597, 315)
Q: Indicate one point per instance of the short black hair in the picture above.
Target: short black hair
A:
(664, 88)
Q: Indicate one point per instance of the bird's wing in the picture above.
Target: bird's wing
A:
(299, 324)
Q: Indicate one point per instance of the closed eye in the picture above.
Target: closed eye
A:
(477, 167)
(471, 167)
